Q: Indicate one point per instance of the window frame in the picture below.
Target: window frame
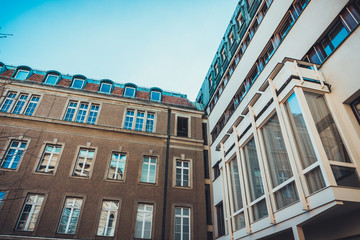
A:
(51, 75)
(4, 194)
(79, 79)
(152, 219)
(182, 207)
(77, 110)
(190, 174)
(22, 70)
(353, 108)
(129, 96)
(116, 219)
(104, 84)
(117, 160)
(28, 220)
(76, 161)
(177, 116)
(15, 100)
(42, 154)
(5, 153)
(72, 196)
(146, 118)
(147, 182)
(152, 98)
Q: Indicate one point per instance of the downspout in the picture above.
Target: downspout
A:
(166, 176)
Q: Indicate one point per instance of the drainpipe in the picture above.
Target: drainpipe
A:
(166, 176)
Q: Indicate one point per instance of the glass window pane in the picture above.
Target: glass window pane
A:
(22, 74)
(235, 185)
(276, 153)
(345, 176)
(301, 134)
(315, 180)
(51, 79)
(78, 83)
(286, 196)
(325, 125)
(259, 210)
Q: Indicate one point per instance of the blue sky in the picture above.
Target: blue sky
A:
(153, 43)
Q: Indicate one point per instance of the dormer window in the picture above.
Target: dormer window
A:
(155, 96)
(78, 83)
(129, 91)
(21, 74)
(51, 79)
(105, 87)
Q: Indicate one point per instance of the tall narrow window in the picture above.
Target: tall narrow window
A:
(139, 121)
(143, 223)
(255, 180)
(150, 119)
(129, 119)
(220, 219)
(108, 216)
(20, 104)
(49, 158)
(14, 154)
(22, 74)
(148, 172)
(84, 162)
(70, 215)
(30, 212)
(70, 111)
(236, 194)
(32, 105)
(94, 109)
(182, 224)
(8, 102)
(182, 173)
(117, 166)
(182, 126)
(278, 161)
(82, 112)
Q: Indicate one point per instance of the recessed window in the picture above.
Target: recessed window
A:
(105, 87)
(13, 154)
(144, 120)
(108, 216)
(148, 172)
(30, 212)
(182, 173)
(78, 83)
(51, 79)
(155, 96)
(182, 223)
(129, 91)
(143, 225)
(117, 166)
(84, 163)
(182, 127)
(82, 112)
(49, 159)
(21, 74)
(70, 215)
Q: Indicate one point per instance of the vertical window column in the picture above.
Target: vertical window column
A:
(182, 224)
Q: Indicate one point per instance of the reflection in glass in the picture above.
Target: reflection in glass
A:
(303, 142)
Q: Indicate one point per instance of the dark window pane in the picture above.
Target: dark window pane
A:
(345, 176)
(182, 127)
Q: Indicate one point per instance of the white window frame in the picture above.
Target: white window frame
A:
(182, 217)
(182, 168)
(103, 84)
(108, 210)
(149, 164)
(129, 87)
(52, 153)
(152, 98)
(86, 160)
(8, 98)
(32, 215)
(146, 119)
(79, 79)
(77, 110)
(17, 148)
(21, 70)
(142, 214)
(71, 206)
(51, 75)
(118, 161)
